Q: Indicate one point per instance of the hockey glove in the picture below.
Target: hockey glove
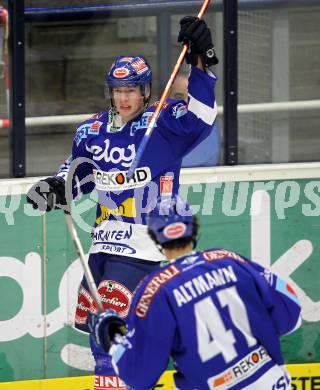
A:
(195, 32)
(47, 194)
(105, 326)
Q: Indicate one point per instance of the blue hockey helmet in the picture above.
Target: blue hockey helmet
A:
(171, 219)
(129, 71)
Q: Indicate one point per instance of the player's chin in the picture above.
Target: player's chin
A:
(125, 110)
(126, 114)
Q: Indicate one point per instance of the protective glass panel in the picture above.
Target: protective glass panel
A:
(279, 53)
(66, 65)
(210, 151)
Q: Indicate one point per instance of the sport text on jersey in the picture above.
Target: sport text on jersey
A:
(114, 241)
(152, 287)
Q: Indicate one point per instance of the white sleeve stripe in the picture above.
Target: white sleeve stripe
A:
(210, 73)
(298, 324)
(202, 111)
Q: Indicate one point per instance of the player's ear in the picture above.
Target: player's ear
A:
(147, 91)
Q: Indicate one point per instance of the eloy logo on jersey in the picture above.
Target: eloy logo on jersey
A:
(125, 209)
(118, 181)
(115, 155)
(84, 130)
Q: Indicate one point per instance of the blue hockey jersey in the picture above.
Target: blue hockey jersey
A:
(102, 154)
(219, 315)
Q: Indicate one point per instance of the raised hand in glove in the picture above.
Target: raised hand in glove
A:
(195, 32)
(47, 194)
(104, 327)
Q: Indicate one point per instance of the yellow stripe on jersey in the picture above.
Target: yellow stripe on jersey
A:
(125, 209)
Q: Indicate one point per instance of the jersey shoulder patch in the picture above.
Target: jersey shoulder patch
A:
(179, 109)
(91, 126)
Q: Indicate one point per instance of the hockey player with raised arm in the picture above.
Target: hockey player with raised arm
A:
(218, 315)
(104, 147)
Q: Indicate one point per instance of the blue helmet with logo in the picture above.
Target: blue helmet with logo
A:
(170, 220)
(129, 71)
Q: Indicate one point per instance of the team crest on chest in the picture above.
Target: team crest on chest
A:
(142, 123)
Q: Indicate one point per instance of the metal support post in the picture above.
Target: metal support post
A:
(17, 89)
(230, 115)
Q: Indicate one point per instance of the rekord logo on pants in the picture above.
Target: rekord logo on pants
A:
(118, 181)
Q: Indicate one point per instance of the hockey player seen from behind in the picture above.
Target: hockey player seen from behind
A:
(104, 147)
(218, 315)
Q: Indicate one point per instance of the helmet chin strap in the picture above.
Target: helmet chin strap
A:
(160, 249)
(114, 121)
(117, 120)
(146, 93)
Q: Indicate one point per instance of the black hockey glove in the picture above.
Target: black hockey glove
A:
(105, 326)
(196, 32)
(47, 194)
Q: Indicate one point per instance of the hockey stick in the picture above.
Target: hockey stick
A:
(87, 273)
(163, 98)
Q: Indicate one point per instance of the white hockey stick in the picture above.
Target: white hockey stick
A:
(87, 273)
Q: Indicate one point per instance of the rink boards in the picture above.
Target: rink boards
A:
(304, 377)
(263, 212)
